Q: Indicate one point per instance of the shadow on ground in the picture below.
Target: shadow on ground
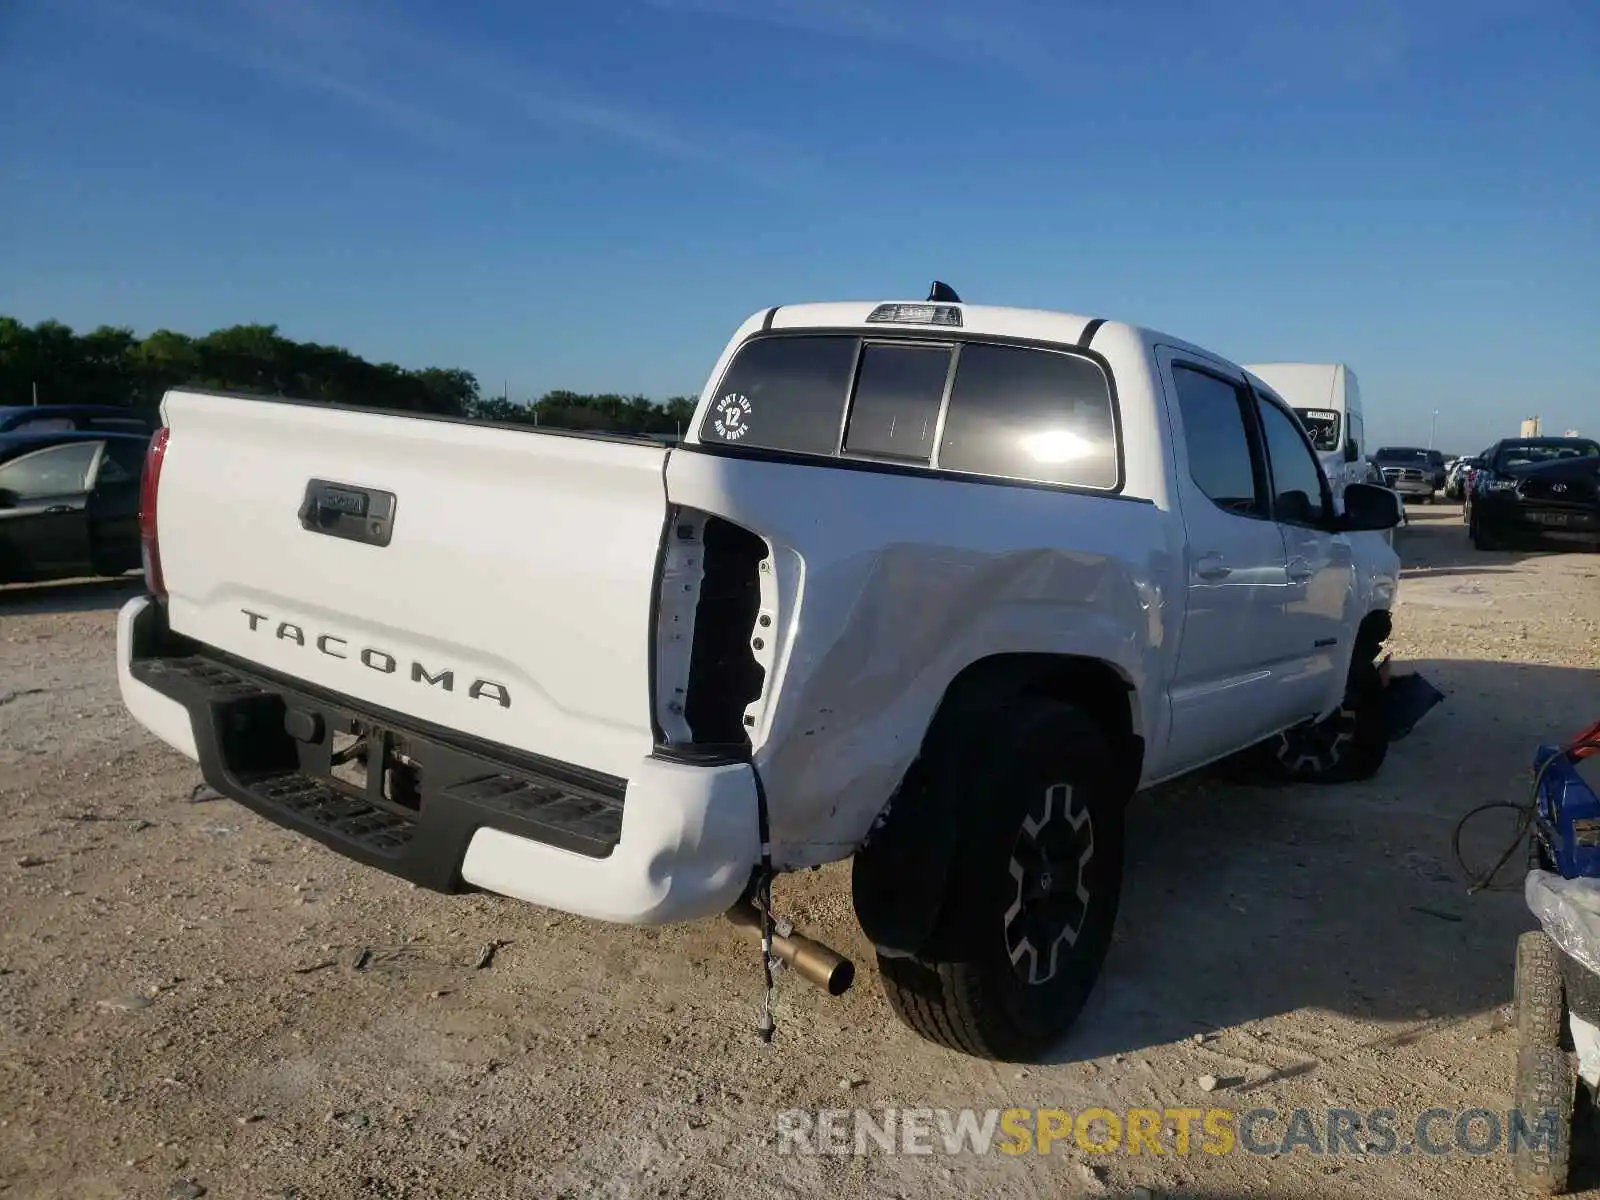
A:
(82, 595)
(1265, 900)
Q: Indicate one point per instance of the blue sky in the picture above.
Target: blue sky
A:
(593, 196)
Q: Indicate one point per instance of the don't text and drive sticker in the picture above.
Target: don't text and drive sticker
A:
(733, 417)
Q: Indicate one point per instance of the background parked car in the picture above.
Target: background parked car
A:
(69, 504)
(1411, 471)
(1470, 467)
(1535, 488)
(56, 418)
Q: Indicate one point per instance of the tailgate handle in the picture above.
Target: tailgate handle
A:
(343, 510)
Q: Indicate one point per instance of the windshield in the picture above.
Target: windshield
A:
(1322, 425)
(1525, 454)
(1401, 455)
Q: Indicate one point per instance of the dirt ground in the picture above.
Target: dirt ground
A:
(191, 998)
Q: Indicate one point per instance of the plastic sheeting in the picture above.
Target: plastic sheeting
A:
(1586, 1041)
(1569, 911)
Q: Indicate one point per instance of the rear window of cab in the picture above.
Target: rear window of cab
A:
(972, 407)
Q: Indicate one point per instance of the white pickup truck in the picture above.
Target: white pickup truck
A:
(935, 585)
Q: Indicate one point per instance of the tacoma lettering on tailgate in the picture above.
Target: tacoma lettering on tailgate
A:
(374, 658)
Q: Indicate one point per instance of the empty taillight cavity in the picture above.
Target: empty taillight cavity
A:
(714, 637)
(725, 677)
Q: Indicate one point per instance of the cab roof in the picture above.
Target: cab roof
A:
(1037, 324)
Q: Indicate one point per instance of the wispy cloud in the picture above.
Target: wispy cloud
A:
(1004, 34)
(260, 55)
(1056, 43)
(445, 93)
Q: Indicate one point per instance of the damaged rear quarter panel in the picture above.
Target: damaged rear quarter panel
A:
(890, 584)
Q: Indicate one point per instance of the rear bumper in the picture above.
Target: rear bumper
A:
(674, 842)
(1561, 522)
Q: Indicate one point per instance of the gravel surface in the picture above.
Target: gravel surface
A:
(194, 1002)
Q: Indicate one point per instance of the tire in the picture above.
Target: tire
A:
(1545, 1085)
(1044, 795)
(1346, 746)
(1537, 991)
(1481, 540)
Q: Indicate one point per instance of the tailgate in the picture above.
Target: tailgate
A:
(507, 597)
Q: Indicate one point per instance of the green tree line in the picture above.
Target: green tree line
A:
(112, 365)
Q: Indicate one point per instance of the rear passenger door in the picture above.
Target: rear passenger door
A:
(1319, 568)
(114, 506)
(1224, 688)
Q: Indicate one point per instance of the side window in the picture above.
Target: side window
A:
(1220, 459)
(1037, 415)
(783, 393)
(1297, 487)
(51, 472)
(123, 462)
(896, 407)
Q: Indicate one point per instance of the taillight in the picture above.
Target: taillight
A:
(149, 541)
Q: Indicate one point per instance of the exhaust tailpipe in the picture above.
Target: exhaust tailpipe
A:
(812, 961)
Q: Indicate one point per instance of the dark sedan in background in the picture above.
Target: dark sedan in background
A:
(58, 418)
(69, 504)
(1535, 487)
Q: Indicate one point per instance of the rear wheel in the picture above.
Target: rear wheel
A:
(1546, 1083)
(1026, 917)
(1537, 991)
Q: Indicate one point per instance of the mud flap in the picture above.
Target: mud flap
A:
(1406, 700)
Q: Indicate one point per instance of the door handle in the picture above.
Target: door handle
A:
(1211, 568)
(1300, 570)
(57, 509)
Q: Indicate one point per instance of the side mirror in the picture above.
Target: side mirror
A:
(1369, 508)
(1350, 451)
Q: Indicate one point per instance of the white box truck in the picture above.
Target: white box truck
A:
(1327, 399)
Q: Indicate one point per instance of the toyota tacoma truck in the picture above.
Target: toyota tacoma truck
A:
(932, 586)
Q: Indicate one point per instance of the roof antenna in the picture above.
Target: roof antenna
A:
(944, 293)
